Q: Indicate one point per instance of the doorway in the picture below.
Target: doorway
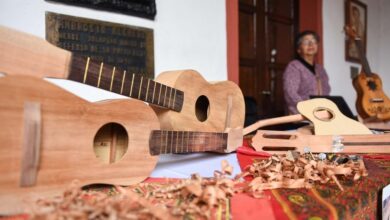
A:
(266, 45)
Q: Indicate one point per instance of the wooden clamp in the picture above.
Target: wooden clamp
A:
(279, 142)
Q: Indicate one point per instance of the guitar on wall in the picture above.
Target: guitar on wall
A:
(52, 137)
(371, 101)
(183, 100)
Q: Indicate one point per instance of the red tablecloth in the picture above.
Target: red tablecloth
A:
(358, 201)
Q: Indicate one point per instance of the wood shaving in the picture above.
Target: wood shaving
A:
(196, 197)
(280, 171)
(80, 204)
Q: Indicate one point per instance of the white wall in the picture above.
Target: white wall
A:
(378, 46)
(192, 34)
(187, 33)
(383, 67)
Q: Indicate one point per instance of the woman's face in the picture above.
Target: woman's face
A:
(308, 46)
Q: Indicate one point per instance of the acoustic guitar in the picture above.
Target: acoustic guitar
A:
(51, 137)
(182, 99)
(371, 100)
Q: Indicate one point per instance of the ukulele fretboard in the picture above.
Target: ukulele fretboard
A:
(133, 85)
(363, 58)
(165, 142)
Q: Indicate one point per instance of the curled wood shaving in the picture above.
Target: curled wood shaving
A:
(196, 197)
(79, 204)
(280, 171)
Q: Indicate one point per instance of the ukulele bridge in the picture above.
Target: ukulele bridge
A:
(376, 100)
(337, 144)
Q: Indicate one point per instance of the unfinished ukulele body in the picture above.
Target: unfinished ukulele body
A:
(51, 137)
(335, 133)
(182, 99)
(206, 106)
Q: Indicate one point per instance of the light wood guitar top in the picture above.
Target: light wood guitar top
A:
(183, 99)
(335, 124)
(70, 145)
(206, 107)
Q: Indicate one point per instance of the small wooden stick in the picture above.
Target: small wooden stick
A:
(229, 112)
(113, 144)
(31, 144)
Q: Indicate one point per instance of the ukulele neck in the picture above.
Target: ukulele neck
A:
(101, 75)
(166, 142)
(363, 58)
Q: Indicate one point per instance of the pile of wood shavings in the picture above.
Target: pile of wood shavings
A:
(194, 198)
(197, 197)
(281, 171)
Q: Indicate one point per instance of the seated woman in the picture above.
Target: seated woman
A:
(303, 77)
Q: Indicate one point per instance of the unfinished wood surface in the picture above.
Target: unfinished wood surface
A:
(273, 121)
(69, 126)
(336, 124)
(377, 125)
(25, 54)
(33, 56)
(280, 120)
(281, 141)
(206, 105)
(134, 85)
(29, 55)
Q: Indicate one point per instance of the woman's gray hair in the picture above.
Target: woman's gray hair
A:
(300, 36)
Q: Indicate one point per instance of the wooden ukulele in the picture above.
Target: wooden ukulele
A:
(206, 107)
(51, 137)
(326, 117)
(183, 99)
(371, 100)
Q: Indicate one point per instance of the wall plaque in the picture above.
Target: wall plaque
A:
(126, 47)
(139, 8)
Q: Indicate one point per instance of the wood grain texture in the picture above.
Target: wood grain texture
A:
(24, 54)
(365, 105)
(29, 55)
(110, 78)
(69, 125)
(280, 142)
(323, 109)
(337, 124)
(31, 143)
(195, 87)
(164, 142)
(33, 56)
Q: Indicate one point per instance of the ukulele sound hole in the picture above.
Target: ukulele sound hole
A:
(323, 114)
(110, 143)
(202, 107)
